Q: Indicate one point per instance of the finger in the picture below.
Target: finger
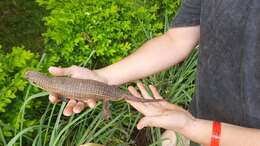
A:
(79, 107)
(139, 106)
(143, 91)
(153, 121)
(134, 92)
(146, 122)
(54, 99)
(90, 102)
(169, 138)
(68, 111)
(57, 71)
(155, 92)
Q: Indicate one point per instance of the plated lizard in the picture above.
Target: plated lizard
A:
(82, 89)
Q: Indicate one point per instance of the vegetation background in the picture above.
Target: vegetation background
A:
(92, 34)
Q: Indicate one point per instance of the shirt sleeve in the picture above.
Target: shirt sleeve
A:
(188, 14)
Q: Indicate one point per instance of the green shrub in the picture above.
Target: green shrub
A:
(12, 84)
(108, 29)
(21, 24)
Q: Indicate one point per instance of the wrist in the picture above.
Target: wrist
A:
(199, 131)
(105, 76)
(189, 128)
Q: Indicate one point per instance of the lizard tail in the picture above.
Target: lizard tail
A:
(138, 99)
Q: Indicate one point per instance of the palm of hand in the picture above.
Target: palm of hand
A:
(159, 114)
(75, 72)
(151, 108)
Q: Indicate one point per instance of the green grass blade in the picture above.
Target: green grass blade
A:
(2, 136)
(68, 126)
(14, 139)
(56, 126)
(48, 125)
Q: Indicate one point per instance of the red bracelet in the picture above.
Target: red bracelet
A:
(216, 132)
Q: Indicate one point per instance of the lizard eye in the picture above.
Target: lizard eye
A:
(33, 82)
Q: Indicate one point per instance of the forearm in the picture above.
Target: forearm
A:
(231, 135)
(156, 55)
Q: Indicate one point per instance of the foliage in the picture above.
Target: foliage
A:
(108, 29)
(12, 83)
(21, 24)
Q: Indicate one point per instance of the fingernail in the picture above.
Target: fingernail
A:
(50, 69)
(130, 87)
(67, 114)
(91, 105)
(76, 110)
(53, 69)
(139, 127)
(52, 99)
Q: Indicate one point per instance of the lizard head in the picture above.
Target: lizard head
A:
(33, 77)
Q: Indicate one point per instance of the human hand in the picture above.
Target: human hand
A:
(74, 106)
(160, 114)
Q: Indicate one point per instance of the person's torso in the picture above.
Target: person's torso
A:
(228, 84)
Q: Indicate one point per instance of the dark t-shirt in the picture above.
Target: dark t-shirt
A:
(228, 77)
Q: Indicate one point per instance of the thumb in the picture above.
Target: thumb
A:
(150, 121)
(57, 71)
(170, 122)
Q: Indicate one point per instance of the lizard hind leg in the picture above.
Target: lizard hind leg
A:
(105, 110)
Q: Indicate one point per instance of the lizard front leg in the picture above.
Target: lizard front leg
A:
(105, 109)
